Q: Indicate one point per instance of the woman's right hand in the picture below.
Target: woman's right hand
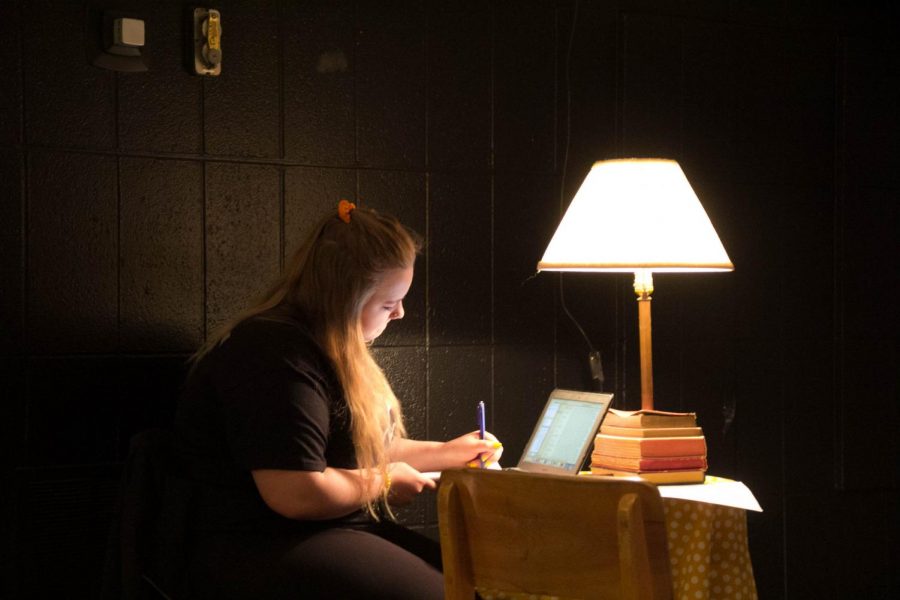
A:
(406, 483)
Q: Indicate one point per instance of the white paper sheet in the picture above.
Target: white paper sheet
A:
(716, 490)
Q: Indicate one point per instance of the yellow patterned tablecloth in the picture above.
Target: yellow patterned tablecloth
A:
(709, 552)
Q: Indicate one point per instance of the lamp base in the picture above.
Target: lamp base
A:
(660, 446)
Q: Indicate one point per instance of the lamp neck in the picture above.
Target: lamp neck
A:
(643, 287)
(643, 283)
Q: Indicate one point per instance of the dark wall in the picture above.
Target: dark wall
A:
(784, 119)
(137, 211)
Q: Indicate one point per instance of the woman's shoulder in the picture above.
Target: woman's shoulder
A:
(275, 345)
(277, 333)
(271, 322)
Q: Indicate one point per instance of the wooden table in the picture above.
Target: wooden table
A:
(707, 532)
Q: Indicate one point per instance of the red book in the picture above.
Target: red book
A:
(637, 447)
(668, 463)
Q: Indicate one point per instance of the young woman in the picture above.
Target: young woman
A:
(294, 442)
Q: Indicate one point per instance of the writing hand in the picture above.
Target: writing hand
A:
(470, 448)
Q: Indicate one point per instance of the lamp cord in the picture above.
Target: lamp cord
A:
(594, 359)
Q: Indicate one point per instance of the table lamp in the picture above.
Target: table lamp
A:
(640, 216)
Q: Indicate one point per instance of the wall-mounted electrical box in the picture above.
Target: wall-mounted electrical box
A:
(207, 55)
(118, 43)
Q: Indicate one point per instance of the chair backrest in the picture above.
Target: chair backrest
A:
(146, 540)
(572, 537)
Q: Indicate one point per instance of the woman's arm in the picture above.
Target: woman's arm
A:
(437, 456)
(333, 493)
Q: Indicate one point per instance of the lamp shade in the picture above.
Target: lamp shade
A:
(635, 214)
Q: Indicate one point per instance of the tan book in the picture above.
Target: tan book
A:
(663, 477)
(649, 418)
(651, 432)
(646, 447)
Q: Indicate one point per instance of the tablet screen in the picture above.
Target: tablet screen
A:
(565, 431)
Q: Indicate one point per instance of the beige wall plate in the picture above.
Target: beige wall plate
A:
(207, 27)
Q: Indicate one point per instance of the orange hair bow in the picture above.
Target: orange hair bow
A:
(344, 209)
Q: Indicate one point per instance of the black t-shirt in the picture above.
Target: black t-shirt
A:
(266, 398)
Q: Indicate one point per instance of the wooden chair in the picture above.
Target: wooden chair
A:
(571, 537)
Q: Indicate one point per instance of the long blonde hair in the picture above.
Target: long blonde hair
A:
(328, 280)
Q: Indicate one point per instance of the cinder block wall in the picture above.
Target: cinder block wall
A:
(138, 211)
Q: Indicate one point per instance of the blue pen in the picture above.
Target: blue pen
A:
(480, 412)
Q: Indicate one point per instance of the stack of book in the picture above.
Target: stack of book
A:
(659, 446)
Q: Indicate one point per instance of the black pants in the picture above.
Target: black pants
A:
(382, 560)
